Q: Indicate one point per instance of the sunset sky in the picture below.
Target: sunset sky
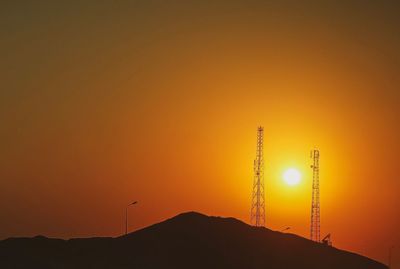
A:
(107, 102)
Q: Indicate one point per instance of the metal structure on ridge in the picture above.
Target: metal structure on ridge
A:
(257, 217)
(315, 205)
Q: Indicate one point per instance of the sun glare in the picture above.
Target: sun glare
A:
(292, 176)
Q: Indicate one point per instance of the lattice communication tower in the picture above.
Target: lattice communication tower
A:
(315, 205)
(257, 217)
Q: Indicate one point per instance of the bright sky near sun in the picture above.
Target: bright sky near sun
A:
(107, 102)
(292, 176)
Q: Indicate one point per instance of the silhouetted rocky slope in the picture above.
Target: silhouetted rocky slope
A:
(189, 240)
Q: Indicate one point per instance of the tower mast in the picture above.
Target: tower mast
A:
(257, 217)
(315, 205)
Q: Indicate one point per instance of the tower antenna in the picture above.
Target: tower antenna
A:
(257, 217)
(315, 205)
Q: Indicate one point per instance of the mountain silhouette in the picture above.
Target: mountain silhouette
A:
(189, 240)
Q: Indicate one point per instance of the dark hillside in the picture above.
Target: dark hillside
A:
(189, 240)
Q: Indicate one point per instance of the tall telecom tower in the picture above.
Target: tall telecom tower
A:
(315, 206)
(257, 217)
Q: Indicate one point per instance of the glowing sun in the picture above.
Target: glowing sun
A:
(292, 176)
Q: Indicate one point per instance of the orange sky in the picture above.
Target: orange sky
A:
(158, 101)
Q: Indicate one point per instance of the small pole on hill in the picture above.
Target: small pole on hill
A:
(390, 256)
(126, 216)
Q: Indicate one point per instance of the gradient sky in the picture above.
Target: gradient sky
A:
(105, 102)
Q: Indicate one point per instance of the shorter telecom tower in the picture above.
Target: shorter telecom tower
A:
(257, 217)
(315, 205)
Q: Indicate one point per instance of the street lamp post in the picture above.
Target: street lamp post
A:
(126, 216)
(390, 256)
